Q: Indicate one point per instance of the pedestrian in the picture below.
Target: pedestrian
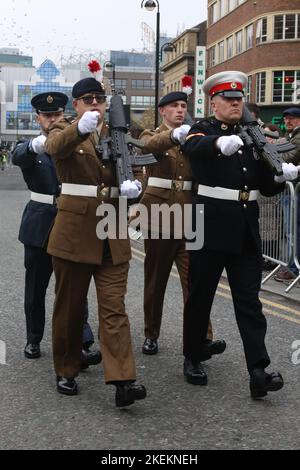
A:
(291, 117)
(169, 182)
(79, 254)
(229, 179)
(39, 174)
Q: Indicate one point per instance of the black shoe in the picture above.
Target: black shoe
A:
(128, 392)
(210, 348)
(66, 386)
(150, 346)
(32, 351)
(194, 373)
(90, 358)
(261, 383)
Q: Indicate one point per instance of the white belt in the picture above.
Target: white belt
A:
(225, 193)
(89, 191)
(176, 185)
(44, 198)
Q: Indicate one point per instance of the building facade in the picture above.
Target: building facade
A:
(262, 39)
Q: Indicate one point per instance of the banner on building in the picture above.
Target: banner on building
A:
(200, 66)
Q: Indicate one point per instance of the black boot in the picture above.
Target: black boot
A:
(127, 392)
(89, 358)
(210, 348)
(261, 383)
(32, 351)
(194, 373)
(150, 346)
(66, 386)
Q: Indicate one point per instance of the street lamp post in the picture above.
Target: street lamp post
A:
(166, 47)
(151, 5)
(112, 66)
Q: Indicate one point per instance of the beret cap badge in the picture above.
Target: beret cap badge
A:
(50, 99)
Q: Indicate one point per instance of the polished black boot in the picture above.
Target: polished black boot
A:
(32, 351)
(261, 383)
(127, 392)
(194, 373)
(66, 386)
(150, 346)
(210, 348)
(89, 358)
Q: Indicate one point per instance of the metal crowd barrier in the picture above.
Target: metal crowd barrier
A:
(278, 230)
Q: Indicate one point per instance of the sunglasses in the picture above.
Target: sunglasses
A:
(89, 99)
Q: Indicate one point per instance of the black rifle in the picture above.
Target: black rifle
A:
(121, 147)
(253, 137)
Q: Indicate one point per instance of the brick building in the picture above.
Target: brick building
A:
(262, 39)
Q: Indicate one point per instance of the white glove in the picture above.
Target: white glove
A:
(38, 144)
(180, 133)
(88, 122)
(290, 172)
(131, 189)
(229, 144)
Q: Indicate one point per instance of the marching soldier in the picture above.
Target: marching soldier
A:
(170, 182)
(229, 179)
(39, 173)
(78, 253)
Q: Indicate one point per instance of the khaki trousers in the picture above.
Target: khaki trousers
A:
(160, 255)
(72, 284)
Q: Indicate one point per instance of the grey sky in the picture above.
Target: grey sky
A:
(50, 29)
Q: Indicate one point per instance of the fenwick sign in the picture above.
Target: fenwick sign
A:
(200, 65)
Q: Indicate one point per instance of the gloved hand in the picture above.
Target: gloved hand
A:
(88, 122)
(229, 144)
(131, 189)
(179, 133)
(290, 172)
(38, 144)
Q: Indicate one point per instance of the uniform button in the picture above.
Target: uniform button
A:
(102, 185)
(180, 177)
(166, 154)
(246, 188)
(81, 151)
(245, 170)
(240, 152)
(181, 165)
(245, 206)
(103, 166)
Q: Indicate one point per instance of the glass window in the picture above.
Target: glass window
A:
(261, 87)
(145, 101)
(231, 4)
(290, 30)
(248, 91)
(239, 42)
(121, 83)
(213, 56)
(285, 85)
(261, 30)
(214, 12)
(249, 36)
(223, 7)
(278, 27)
(286, 27)
(229, 47)
(221, 51)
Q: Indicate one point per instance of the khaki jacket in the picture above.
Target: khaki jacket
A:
(73, 236)
(172, 165)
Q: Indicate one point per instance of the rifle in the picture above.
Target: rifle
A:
(253, 137)
(121, 147)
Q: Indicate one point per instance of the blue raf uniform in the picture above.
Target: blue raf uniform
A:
(38, 217)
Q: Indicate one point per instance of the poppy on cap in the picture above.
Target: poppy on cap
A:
(171, 97)
(50, 102)
(292, 112)
(230, 84)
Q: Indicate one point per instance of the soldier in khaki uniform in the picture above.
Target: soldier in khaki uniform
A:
(78, 254)
(169, 182)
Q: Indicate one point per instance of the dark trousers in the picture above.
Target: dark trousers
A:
(244, 277)
(38, 265)
(159, 259)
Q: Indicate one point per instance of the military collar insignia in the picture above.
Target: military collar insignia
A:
(224, 126)
(50, 99)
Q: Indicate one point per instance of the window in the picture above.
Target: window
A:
(121, 83)
(213, 56)
(221, 51)
(239, 42)
(261, 30)
(223, 7)
(287, 27)
(249, 36)
(232, 4)
(214, 12)
(285, 84)
(248, 90)
(143, 84)
(229, 47)
(143, 100)
(261, 87)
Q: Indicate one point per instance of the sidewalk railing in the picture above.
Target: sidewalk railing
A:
(278, 229)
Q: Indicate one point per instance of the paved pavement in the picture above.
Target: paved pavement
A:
(175, 415)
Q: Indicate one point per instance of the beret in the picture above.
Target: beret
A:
(173, 96)
(87, 85)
